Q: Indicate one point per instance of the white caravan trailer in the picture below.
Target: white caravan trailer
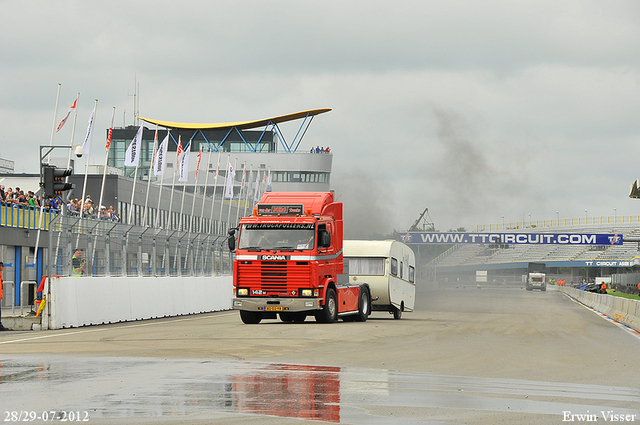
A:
(389, 267)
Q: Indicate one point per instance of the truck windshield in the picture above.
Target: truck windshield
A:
(280, 236)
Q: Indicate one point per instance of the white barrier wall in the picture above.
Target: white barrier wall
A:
(621, 309)
(80, 301)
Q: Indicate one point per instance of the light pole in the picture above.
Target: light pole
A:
(586, 217)
(615, 216)
(529, 220)
(558, 217)
(503, 222)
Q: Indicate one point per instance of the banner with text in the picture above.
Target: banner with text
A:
(510, 238)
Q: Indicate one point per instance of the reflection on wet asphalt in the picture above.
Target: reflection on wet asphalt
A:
(151, 387)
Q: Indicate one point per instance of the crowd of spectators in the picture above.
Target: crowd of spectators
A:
(91, 210)
(319, 149)
(19, 199)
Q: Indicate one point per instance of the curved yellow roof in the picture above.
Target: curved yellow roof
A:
(242, 125)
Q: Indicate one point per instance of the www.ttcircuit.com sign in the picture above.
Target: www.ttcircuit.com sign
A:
(511, 238)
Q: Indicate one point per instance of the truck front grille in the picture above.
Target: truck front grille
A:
(274, 277)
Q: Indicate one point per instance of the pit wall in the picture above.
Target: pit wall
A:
(81, 301)
(620, 309)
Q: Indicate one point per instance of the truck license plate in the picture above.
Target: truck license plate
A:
(273, 308)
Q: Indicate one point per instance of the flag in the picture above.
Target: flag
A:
(155, 145)
(215, 176)
(228, 192)
(86, 145)
(162, 155)
(244, 174)
(110, 130)
(198, 166)
(132, 156)
(71, 109)
(184, 164)
(179, 150)
(256, 190)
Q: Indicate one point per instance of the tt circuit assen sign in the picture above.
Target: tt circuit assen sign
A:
(511, 238)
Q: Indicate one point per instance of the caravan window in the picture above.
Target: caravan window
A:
(366, 266)
(394, 266)
(412, 274)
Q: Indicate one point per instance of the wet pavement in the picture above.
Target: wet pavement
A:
(122, 389)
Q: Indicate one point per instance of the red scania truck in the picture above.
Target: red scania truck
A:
(289, 262)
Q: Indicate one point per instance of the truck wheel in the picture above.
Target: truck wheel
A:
(250, 317)
(397, 312)
(329, 313)
(364, 305)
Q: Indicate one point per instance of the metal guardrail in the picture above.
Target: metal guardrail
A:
(13, 295)
(22, 294)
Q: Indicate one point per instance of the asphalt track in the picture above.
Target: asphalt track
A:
(496, 355)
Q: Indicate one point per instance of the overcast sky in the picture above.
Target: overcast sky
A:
(474, 109)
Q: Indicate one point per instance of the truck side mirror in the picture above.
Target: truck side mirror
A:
(324, 239)
(231, 240)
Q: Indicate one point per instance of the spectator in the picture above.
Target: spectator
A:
(77, 263)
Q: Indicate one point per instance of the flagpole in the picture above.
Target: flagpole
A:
(246, 195)
(204, 194)
(86, 166)
(153, 159)
(73, 133)
(244, 176)
(106, 161)
(135, 151)
(235, 164)
(55, 118)
(173, 183)
(164, 154)
(213, 197)
(193, 207)
(184, 186)
(222, 199)
(184, 189)
(195, 189)
(256, 190)
(204, 200)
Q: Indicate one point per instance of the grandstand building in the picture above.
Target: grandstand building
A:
(507, 263)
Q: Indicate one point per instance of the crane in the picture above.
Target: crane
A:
(414, 226)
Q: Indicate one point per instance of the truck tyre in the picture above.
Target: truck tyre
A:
(364, 305)
(329, 312)
(250, 317)
(397, 312)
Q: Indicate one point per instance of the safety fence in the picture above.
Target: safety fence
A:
(103, 248)
(561, 222)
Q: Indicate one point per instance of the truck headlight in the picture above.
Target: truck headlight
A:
(243, 292)
(306, 292)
